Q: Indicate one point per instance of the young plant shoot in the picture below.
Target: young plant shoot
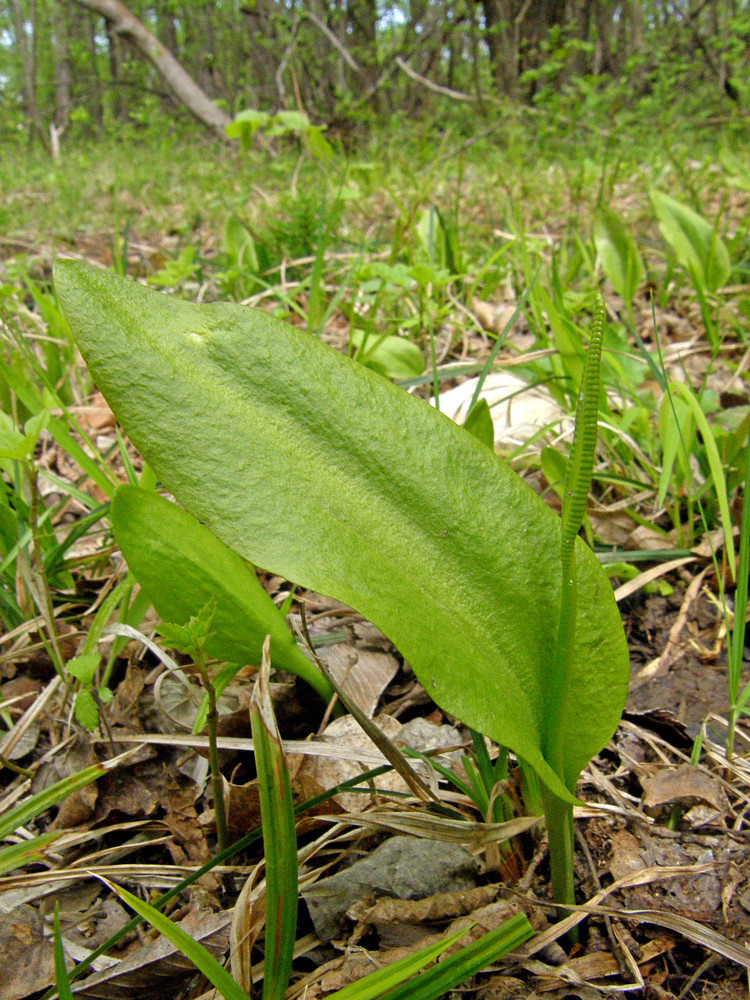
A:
(318, 469)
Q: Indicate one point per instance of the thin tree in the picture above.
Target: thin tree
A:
(179, 81)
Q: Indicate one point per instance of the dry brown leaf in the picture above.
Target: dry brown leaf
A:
(123, 711)
(364, 674)
(243, 807)
(596, 965)
(407, 922)
(319, 774)
(153, 967)
(180, 796)
(247, 923)
(28, 962)
(95, 415)
(613, 527)
(685, 787)
(442, 906)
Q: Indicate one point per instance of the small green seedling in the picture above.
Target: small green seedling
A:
(318, 469)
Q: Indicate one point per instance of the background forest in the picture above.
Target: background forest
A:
(469, 201)
(359, 63)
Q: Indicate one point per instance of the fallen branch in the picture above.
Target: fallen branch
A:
(455, 94)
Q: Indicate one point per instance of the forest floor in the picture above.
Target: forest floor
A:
(662, 860)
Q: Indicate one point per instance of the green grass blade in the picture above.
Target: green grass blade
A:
(17, 855)
(279, 839)
(62, 981)
(378, 983)
(201, 958)
(487, 366)
(456, 969)
(44, 800)
(738, 702)
(716, 467)
(57, 427)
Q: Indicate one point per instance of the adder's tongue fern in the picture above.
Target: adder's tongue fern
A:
(559, 814)
(577, 485)
(581, 466)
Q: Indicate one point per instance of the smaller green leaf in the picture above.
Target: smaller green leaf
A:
(317, 144)
(36, 424)
(246, 123)
(695, 242)
(181, 565)
(84, 667)
(394, 357)
(201, 958)
(12, 444)
(194, 635)
(555, 469)
(289, 121)
(618, 254)
(716, 467)
(105, 695)
(479, 423)
(86, 710)
(176, 636)
(18, 446)
(239, 245)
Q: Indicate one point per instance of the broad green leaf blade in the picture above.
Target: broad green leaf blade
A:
(317, 469)
(279, 839)
(201, 958)
(181, 565)
(695, 242)
(618, 253)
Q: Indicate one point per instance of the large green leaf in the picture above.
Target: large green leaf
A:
(181, 566)
(696, 243)
(316, 468)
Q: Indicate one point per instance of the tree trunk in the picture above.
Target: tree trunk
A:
(63, 71)
(501, 36)
(362, 40)
(173, 74)
(26, 42)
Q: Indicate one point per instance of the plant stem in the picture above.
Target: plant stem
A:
(212, 725)
(558, 816)
(737, 644)
(45, 597)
